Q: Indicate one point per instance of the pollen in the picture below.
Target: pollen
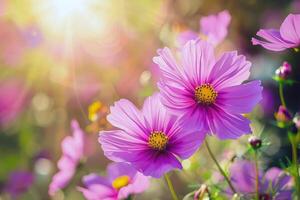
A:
(120, 182)
(158, 140)
(205, 94)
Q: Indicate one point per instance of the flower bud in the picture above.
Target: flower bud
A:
(283, 115)
(255, 142)
(296, 120)
(284, 71)
(264, 197)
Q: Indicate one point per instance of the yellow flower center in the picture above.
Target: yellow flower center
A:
(94, 109)
(205, 94)
(120, 182)
(158, 140)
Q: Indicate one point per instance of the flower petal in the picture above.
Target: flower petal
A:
(177, 100)
(126, 116)
(186, 142)
(171, 71)
(97, 192)
(196, 118)
(79, 138)
(114, 170)
(156, 115)
(72, 148)
(240, 98)
(94, 179)
(243, 176)
(156, 164)
(225, 125)
(60, 180)
(185, 36)
(138, 185)
(290, 29)
(215, 26)
(65, 163)
(273, 40)
(231, 69)
(197, 61)
(118, 146)
(278, 178)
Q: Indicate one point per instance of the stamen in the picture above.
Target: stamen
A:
(158, 140)
(205, 94)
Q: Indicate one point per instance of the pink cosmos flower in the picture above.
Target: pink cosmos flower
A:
(288, 36)
(208, 91)
(3, 7)
(74, 150)
(18, 183)
(13, 47)
(273, 184)
(122, 181)
(13, 97)
(213, 28)
(151, 139)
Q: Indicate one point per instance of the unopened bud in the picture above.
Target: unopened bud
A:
(255, 142)
(284, 71)
(283, 115)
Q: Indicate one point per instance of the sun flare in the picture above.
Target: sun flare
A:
(82, 18)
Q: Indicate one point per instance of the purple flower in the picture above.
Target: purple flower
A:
(150, 139)
(207, 91)
(122, 181)
(18, 183)
(13, 97)
(213, 28)
(74, 150)
(288, 36)
(273, 184)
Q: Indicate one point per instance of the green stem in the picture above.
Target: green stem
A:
(295, 163)
(257, 175)
(170, 185)
(294, 144)
(281, 94)
(219, 167)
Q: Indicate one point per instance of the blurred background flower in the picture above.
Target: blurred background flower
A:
(57, 57)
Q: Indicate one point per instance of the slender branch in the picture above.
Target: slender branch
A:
(219, 167)
(170, 185)
(295, 162)
(256, 175)
(281, 94)
(294, 144)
